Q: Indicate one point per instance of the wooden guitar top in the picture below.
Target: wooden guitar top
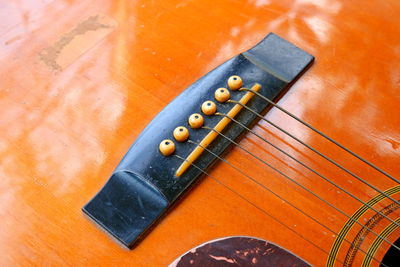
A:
(80, 80)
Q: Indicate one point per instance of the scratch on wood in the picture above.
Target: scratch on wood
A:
(50, 54)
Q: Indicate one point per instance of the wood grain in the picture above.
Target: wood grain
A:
(63, 130)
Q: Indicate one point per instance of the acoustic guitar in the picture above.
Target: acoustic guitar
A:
(303, 172)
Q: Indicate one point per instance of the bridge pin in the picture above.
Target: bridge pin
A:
(196, 120)
(209, 107)
(235, 82)
(222, 95)
(167, 147)
(181, 134)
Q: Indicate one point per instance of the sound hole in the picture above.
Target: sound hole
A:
(392, 257)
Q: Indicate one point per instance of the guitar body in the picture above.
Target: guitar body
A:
(80, 80)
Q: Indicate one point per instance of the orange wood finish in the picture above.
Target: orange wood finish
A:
(81, 79)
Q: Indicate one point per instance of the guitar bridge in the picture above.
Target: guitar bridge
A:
(149, 179)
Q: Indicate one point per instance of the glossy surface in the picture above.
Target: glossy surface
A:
(181, 134)
(235, 82)
(68, 118)
(209, 108)
(222, 95)
(167, 147)
(196, 120)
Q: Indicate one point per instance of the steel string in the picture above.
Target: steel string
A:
(264, 211)
(300, 185)
(316, 151)
(306, 166)
(322, 134)
(255, 206)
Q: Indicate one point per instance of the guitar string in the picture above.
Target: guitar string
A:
(316, 151)
(322, 134)
(268, 214)
(307, 167)
(319, 153)
(278, 196)
(295, 182)
(255, 206)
